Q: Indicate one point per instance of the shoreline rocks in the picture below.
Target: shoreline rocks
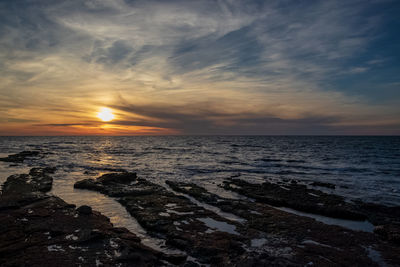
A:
(171, 217)
(267, 237)
(320, 243)
(37, 229)
(20, 157)
(299, 197)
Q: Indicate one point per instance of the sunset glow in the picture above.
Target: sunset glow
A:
(199, 67)
(105, 114)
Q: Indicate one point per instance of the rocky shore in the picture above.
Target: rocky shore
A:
(265, 236)
(20, 157)
(300, 197)
(37, 229)
(202, 228)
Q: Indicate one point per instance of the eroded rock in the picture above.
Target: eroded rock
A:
(41, 230)
(202, 234)
(299, 197)
(309, 240)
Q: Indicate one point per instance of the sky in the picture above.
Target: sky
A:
(285, 67)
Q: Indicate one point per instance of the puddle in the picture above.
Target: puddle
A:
(226, 215)
(376, 257)
(364, 226)
(219, 226)
(312, 242)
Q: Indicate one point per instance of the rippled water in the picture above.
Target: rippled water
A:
(367, 168)
(362, 167)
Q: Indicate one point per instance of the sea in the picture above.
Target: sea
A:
(361, 167)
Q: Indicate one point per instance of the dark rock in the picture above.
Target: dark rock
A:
(290, 240)
(86, 184)
(20, 157)
(119, 185)
(178, 243)
(123, 178)
(297, 196)
(310, 241)
(41, 230)
(42, 171)
(175, 218)
(84, 210)
(175, 258)
(390, 232)
(29, 184)
(379, 214)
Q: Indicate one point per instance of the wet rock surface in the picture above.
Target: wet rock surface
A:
(309, 240)
(296, 196)
(299, 197)
(267, 237)
(37, 229)
(390, 232)
(20, 157)
(205, 236)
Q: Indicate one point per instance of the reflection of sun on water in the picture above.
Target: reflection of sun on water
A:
(105, 114)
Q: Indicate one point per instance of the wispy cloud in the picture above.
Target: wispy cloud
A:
(194, 66)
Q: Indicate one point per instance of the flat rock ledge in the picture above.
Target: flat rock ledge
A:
(299, 197)
(263, 235)
(206, 237)
(324, 245)
(302, 198)
(37, 229)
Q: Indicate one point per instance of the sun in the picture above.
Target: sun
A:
(105, 114)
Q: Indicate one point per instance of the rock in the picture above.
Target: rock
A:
(119, 185)
(310, 241)
(178, 243)
(283, 239)
(390, 232)
(175, 258)
(174, 218)
(42, 171)
(297, 196)
(34, 183)
(122, 177)
(20, 157)
(84, 210)
(379, 214)
(41, 230)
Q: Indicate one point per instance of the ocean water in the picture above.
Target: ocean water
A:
(366, 168)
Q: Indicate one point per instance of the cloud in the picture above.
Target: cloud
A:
(358, 70)
(195, 66)
(199, 119)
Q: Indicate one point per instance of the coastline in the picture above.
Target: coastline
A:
(266, 236)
